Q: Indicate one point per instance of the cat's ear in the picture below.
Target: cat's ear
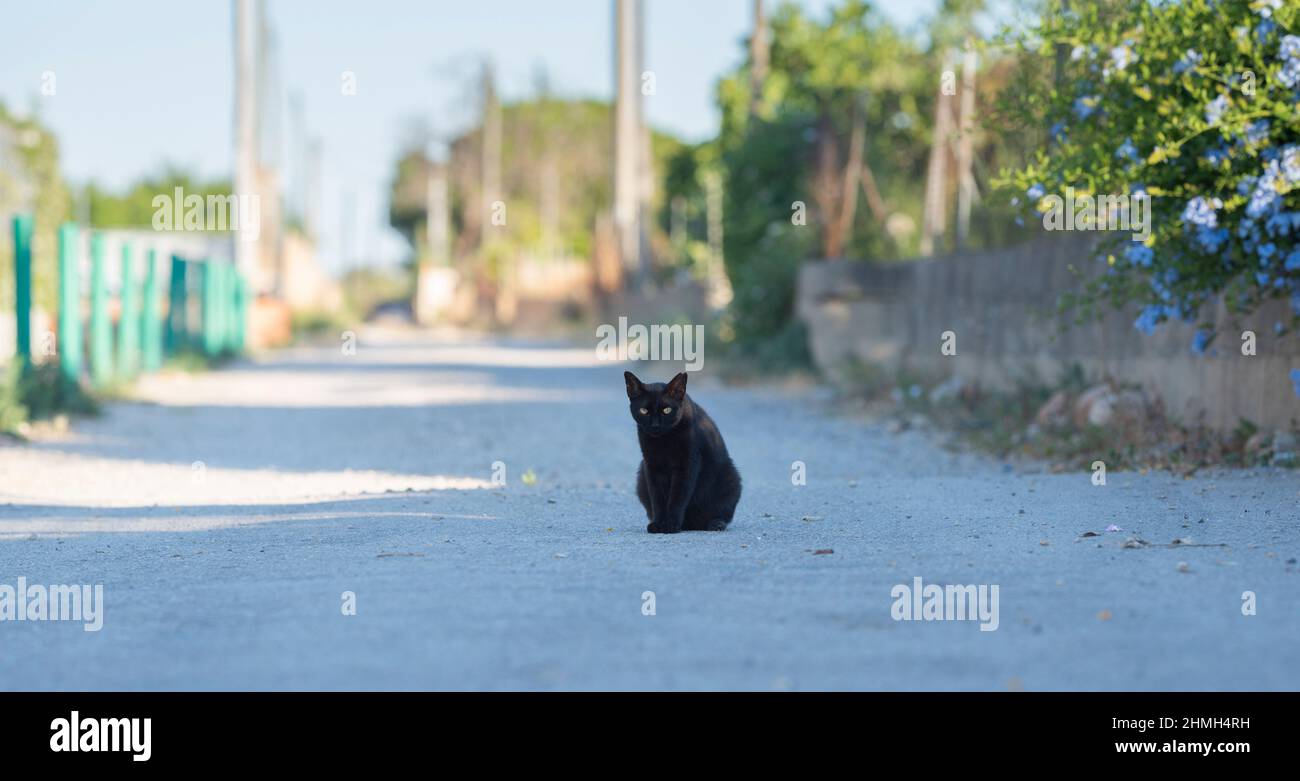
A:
(634, 386)
(677, 387)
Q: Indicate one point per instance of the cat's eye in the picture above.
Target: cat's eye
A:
(668, 410)
(644, 411)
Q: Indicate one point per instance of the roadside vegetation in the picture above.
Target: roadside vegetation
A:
(1068, 421)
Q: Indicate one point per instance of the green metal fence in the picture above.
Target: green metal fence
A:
(130, 328)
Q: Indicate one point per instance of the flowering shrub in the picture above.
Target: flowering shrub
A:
(1196, 104)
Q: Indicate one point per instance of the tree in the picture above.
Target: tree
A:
(837, 73)
(30, 184)
(134, 207)
(555, 178)
(839, 105)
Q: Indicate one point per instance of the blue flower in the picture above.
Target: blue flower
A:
(1036, 192)
(1217, 155)
(1121, 56)
(1291, 164)
(1200, 341)
(1257, 132)
(1295, 380)
(1139, 255)
(1151, 317)
(1292, 261)
(1289, 54)
(1085, 106)
(1201, 211)
(1215, 108)
(1211, 239)
(1266, 251)
(1057, 131)
(1189, 60)
(1265, 198)
(1265, 8)
(1282, 223)
(1127, 151)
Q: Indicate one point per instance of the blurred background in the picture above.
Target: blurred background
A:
(540, 169)
(607, 130)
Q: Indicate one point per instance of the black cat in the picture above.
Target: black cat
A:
(686, 479)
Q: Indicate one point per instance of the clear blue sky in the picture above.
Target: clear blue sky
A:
(148, 82)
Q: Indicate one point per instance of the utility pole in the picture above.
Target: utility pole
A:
(550, 207)
(965, 146)
(548, 183)
(645, 171)
(434, 277)
(311, 197)
(268, 125)
(245, 179)
(437, 214)
(628, 137)
(934, 218)
(437, 198)
(758, 56)
(491, 149)
(345, 227)
(296, 158)
(269, 157)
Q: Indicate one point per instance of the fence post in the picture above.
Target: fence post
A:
(150, 324)
(230, 305)
(101, 326)
(223, 308)
(23, 285)
(128, 323)
(240, 330)
(177, 320)
(211, 297)
(69, 344)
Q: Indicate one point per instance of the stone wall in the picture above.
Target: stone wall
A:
(1002, 307)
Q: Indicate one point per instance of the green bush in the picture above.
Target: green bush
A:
(1197, 104)
(39, 392)
(13, 412)
(826, 77)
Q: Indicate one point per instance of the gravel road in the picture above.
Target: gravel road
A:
(226, 515)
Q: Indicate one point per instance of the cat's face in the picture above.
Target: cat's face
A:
(656, 407)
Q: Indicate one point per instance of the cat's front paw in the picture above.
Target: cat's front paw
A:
(662, 527)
